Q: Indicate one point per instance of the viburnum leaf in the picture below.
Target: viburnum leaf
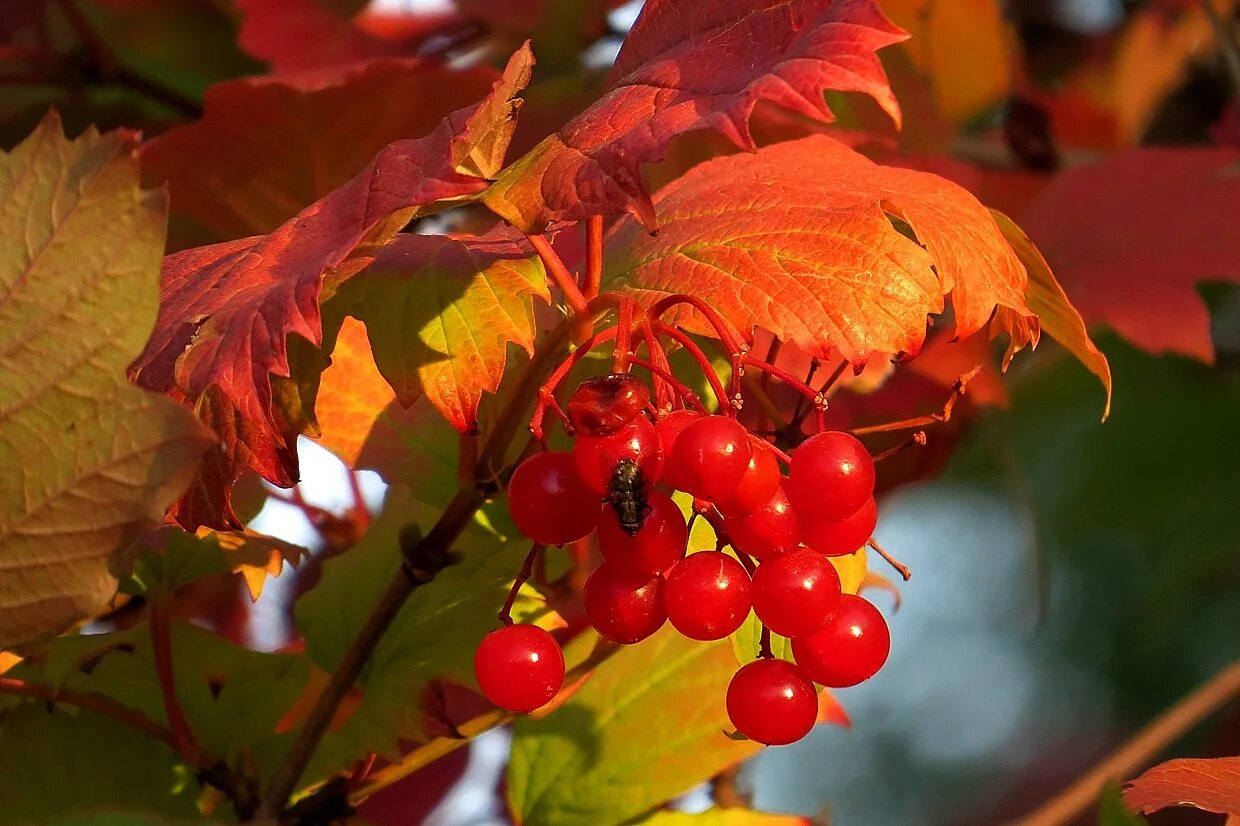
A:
(798, 239)
(689, 65)
(1212, 784)
(87, 459)
(57, 762)
(1055, 313)
(227, 310)
(434, 635)
(362, 423)
(266, 147)
(649, 725)
(1132, 235)
(440, 312)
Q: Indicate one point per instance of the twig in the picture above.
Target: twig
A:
(99, 703)
(563, 279)
(161, 650)
(918, 438)
(799, 414)
(594, 257)
(423, 559)
(945, 415)
(1124, 762)
(900, 567)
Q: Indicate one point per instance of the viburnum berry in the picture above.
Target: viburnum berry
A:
(831, 475)
(602, 405)
(624, 606)
(598, 457)
(656, 545)
(795, 593)
(757, 485)
(768, 530)
(707, 595)
(772, 702)
(710, 457)
(849, 648)
(519, 667)
(670, 427)
(548, 501)
(845, 536)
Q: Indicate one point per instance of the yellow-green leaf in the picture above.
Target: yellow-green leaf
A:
(85, 457)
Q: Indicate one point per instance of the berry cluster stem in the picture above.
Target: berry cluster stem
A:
(523, 575)
(160, 622)
(562, 278)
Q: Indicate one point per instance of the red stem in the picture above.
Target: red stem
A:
(624, 337)
(683, 339)
(945, 415)
(161, 649)
(546, 393)
(683, 391)
(815, 398)
(663, 395)
(594, 256)
(900, 567)
(523, 575)
(721, 327)
(563, 279)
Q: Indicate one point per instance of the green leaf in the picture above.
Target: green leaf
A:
(52, 763)
(649, 725)
(89, 457)
(440, 313)
(434, 635)
(233, 698)
(1113, 812)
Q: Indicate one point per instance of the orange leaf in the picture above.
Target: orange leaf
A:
(798, 239)
(1209, 784)
(352, 394)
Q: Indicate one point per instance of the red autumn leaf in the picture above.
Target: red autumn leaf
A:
(798, 239)
(307, 34)
(1131, 236)
(227, 310)
(440, 312)
(686, 66)
(1209, 784)
(266, 147)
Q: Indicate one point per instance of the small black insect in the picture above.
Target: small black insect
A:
(627, 494)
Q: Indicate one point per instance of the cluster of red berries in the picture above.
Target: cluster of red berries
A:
(782, 529)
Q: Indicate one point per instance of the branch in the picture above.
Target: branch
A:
(423, 559)
(1124, 762)
(99, 703)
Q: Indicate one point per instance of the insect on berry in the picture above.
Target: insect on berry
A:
(627, 495)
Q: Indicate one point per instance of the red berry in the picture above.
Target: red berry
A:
(707, 595)
(670, 427)
(548, 501)
(831, 476)
(602, 405)
(843, 537)
(624, 606)
(768, 530)
(848, 649)
(519, 667)
(598, 456)
(757, 486)
(795, 593)
(658, 543)
(710, 457)
(772, 702)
